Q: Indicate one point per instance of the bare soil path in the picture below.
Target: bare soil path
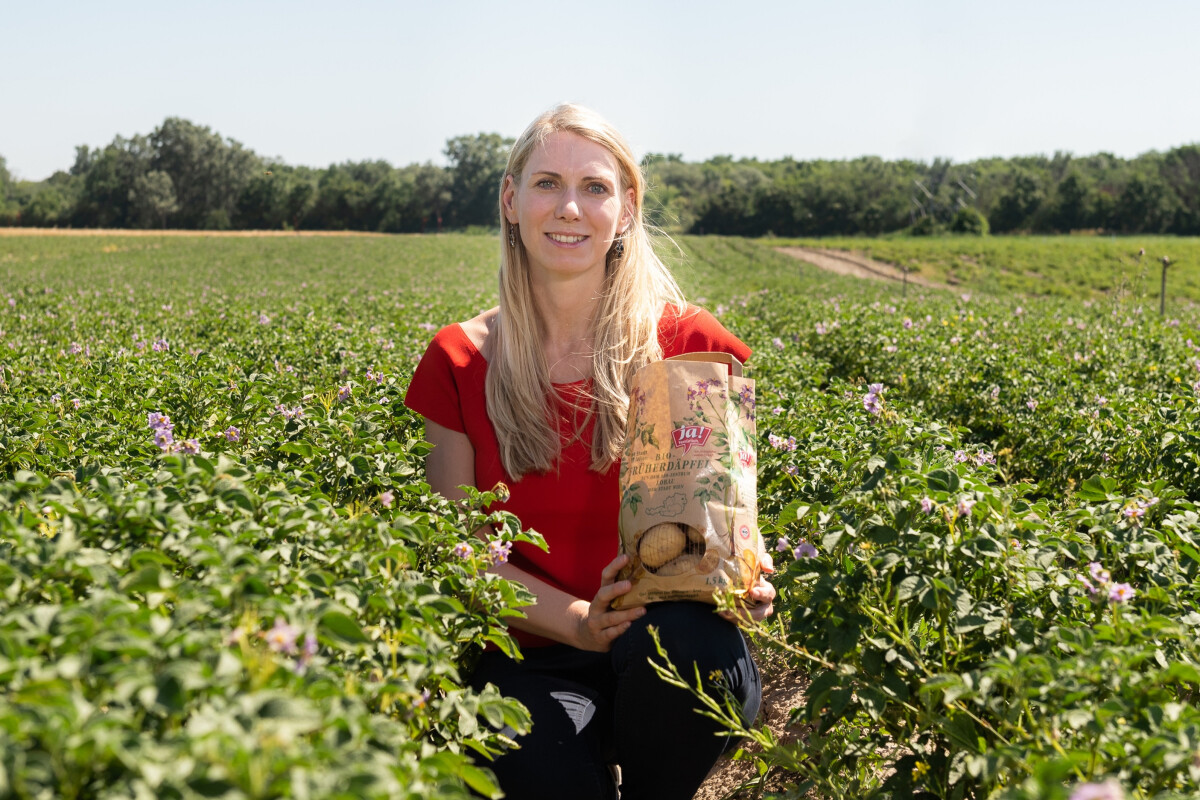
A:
(857, 265)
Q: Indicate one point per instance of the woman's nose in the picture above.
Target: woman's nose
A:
(568, 205)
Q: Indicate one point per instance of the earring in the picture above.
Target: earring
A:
(512, 236)
(619, 248)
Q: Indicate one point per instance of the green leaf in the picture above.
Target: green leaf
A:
(342, 627)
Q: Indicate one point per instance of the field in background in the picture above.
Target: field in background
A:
(1058, 266)
(986, 509)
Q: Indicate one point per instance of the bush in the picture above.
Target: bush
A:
(926, 226)
(969, 221)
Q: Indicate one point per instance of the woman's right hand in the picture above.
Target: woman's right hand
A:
(601, 625)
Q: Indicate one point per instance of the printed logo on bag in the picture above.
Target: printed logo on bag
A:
(744, 531)
(746, 458)
(690, 436)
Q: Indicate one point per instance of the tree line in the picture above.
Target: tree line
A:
(184, 175)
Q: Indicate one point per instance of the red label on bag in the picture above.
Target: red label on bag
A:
(690, 436)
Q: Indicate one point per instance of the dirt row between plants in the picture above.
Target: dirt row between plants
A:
(856, 265)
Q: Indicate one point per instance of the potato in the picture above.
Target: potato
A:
(679, 566)
(660, 544)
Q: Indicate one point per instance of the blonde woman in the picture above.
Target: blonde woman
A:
(534, 393)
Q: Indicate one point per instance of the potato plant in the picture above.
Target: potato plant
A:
(222, 573)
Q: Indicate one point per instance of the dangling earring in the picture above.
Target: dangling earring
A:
(512, 236)
(619, 248)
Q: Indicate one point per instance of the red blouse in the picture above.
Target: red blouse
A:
(574, 508)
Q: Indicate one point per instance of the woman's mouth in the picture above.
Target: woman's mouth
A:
(563, 238)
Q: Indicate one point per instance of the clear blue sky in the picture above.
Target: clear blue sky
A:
(322, 82)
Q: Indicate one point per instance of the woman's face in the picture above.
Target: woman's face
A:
(568, 204)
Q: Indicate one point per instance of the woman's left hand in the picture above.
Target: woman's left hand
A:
(757, 604)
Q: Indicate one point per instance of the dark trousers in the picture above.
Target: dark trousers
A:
(590, 710)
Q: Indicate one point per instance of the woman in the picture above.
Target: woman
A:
(534, 393)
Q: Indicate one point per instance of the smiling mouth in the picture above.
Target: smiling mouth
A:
(564, 239)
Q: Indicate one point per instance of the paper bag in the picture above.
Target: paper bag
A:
(688, 478)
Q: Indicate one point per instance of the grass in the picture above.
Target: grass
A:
(1084, 267)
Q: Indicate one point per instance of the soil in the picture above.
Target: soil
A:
(783, 690)
(856, 265)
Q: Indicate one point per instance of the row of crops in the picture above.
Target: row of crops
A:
(221, 574)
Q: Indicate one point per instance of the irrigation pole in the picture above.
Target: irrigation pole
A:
(1162, 296)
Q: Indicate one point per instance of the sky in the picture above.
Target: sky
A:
(316, 83)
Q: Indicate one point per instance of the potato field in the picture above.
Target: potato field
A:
(222, 575)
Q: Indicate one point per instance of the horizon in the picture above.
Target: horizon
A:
(394, 81)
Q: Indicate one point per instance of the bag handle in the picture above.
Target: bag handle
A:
(719, 358)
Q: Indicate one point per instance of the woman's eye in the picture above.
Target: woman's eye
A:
(545, 183)
(597, 188)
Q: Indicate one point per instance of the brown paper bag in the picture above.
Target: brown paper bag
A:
(689, 514)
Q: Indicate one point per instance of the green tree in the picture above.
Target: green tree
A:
(431, 194)
(108, 178)
(1181, 170)
(208, 172)
(1018, 202)
(153, 197)
(476, 167)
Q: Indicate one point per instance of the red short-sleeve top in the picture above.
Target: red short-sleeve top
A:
(573, 507)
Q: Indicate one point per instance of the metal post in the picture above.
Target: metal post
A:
(1162, 297)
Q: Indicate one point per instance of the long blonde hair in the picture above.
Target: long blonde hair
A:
(521, 402)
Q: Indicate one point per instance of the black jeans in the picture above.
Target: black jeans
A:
(590, 710)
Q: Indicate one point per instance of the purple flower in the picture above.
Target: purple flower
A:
(804, 550)
(964, 506)
(821, 329)
(263, 319)
(164, 439)
(891, 348)
(462, 550)
(282, 637)
(1088, 586)
(790, 469)
(344, 393)
(1120, 593)
(960, 456)
(782, 545)
(777, 342)
(908, 323)
(55, 398)
(1135, 511)
(232, 434)
(307, 651)
(427, 326)
(190, 447)
(1109, 790)
(777, 410)
(160, 346)
(927, 504)
(387, 498)
(1031, 404)
(499, 551)
(76, 402)
(984, 458)
(995, 392)
(75, 349)
(779, 443)
(1099, 574)
(157, 421)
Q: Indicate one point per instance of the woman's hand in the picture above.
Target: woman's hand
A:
(757, 603)
(601, 625)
